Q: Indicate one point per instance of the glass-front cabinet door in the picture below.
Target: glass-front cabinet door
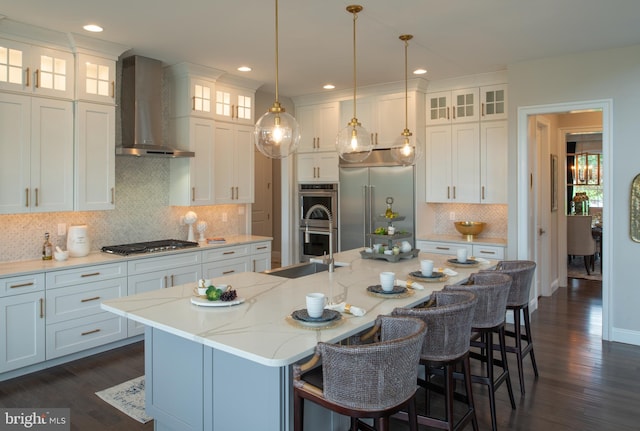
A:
(96, 79)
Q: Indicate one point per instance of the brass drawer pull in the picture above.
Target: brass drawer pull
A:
(92, 274)
(228, 272)
(487, 252)
(15, 286)
(90, 299)
(90, 332)
(229, 252)
(261, 248)
(442, 248)
(42, 308)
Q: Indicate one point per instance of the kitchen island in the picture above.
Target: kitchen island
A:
(229, 368)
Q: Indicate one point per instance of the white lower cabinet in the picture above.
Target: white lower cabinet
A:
(75, 321)
(22, 334)
(255, 257)
(492, 252)
(261, 256)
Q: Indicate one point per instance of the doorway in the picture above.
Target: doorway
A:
(531, 191)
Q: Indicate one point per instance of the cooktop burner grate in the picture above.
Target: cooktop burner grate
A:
(148, 247)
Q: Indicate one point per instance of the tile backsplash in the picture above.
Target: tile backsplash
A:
(142, 213)
(493, 214)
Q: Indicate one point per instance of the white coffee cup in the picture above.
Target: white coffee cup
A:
(426, 267)
(315, 304)
(387, 280)
(461, 254)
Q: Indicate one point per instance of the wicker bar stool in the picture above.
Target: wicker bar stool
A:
(522, 273)
(365, 381)
(492, 290)
(445, 346)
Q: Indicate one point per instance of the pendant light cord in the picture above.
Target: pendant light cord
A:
(277, 101)
(355, 17)
(406, 87)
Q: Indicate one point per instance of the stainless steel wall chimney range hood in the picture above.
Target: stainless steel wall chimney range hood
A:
(141, 110)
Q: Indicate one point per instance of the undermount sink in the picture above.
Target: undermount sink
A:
(298, 270)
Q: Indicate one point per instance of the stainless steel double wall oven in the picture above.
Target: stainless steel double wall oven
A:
(317, 242)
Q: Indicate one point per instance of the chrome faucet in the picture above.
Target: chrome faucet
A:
(307, 232)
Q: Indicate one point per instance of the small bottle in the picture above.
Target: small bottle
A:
(47, 248)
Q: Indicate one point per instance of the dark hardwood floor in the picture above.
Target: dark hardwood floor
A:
(584, 383)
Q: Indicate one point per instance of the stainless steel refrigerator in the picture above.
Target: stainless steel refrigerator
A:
(364, 188)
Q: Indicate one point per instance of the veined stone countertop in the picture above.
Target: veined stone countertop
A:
(8, 269)
(258, 329)
(502, 242)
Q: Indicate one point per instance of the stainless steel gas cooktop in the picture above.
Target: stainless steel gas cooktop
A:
(148, 247)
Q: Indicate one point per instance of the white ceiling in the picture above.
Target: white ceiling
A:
(451, 37)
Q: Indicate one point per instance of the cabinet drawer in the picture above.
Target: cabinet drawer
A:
(140, 266)
(488, 252)
(442, 247)
(226, 267)
(82, 300)
(261, 247)
(21, 284)
(216, 254)
(87, 274)
(72, 336)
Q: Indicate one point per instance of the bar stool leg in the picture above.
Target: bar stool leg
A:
(527, 328)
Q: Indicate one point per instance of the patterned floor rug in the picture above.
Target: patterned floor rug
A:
(575, 269)
(128, 397)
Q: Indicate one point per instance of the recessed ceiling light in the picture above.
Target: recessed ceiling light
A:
(94, 28)
(420, 71)
(244, 69)
(328, 86)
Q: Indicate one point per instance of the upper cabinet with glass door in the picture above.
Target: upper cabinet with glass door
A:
(96, 79)
(193, 89)
(37, 70)
(467, 105)
(235, 99)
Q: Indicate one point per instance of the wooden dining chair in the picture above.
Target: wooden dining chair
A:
(580, 240)
(374, 380)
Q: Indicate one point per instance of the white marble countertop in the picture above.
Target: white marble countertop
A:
(23, 267)
(502, 242)
(258, 329)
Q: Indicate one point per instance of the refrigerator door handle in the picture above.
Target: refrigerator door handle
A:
(365, 199)
(370, 208)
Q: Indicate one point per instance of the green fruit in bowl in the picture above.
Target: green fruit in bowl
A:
(213, 294)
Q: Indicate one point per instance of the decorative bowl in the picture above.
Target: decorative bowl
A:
(469, 228)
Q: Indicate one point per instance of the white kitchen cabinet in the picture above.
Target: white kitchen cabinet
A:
(493, 162)
(492, 252)
(453, 163)
(318, 167)
(382, 115)
(36, 153)
(220, 261)
(442, 247)
(261, 256)
(22, 333)
(95, 161)
(468, 104)
(234, 103)
(319, 126)
(160, 272)
(233, 163)
(74, 319)
(493, 102)
(36, 70)
(192, 90)
(192, 179)
(95, 79)
(454, 106)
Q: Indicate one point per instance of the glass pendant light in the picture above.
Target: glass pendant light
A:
(277, 133)
(406, 149)
(354, 141)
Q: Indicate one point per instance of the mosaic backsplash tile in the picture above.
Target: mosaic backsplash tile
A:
(494, 215)
(142, 214)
